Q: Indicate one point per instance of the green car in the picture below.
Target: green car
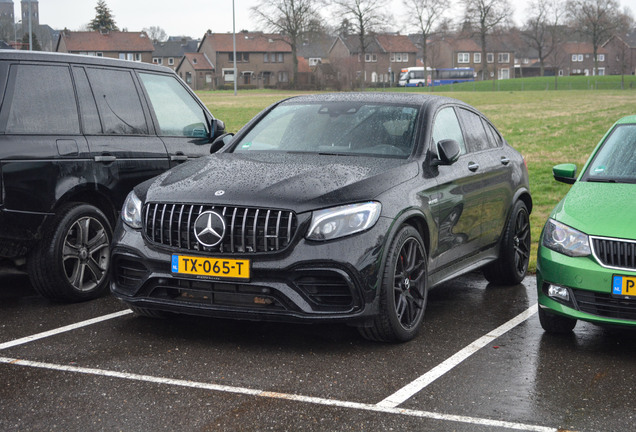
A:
(586, 264)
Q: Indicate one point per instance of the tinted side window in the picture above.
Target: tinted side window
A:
(88, 110)
(43, 101)
(496, 140)
(446, 126)
(476, 138)
(118, 102)
(177, 113)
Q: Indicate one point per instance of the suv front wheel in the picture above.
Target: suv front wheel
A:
(71, 261)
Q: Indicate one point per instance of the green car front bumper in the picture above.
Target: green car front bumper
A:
(589, 286)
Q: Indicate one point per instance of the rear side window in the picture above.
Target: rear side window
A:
(177, 113)
(43, 101)
(446, 126)
(118, 102)
(494, 136)
(476, 138)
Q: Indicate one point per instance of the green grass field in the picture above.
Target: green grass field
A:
(547, 127)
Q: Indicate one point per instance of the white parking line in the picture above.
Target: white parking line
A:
(63, 329)
(417, 385)
(284, 396)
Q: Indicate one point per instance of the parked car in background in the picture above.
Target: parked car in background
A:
(344, 207)
(76, 134)
(586, 265)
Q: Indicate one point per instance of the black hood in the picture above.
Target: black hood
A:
(299, 182)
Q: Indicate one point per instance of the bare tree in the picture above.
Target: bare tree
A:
(364, 18)
(156, 33)
(484, 16)
(290, 18)
(596, 19)
(544, 15)
(424, 14)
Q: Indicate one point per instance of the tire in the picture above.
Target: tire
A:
(403, 292)
(71, 262)
(514, 254)
(555, 324)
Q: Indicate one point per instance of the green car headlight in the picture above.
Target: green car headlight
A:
(131, 211)
(344, 220)
(566, 240)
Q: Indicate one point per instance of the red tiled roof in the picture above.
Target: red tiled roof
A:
(581, 48)
(396, 43)
(199, 61)
(112, 41)
(468, 45)
(249, 42)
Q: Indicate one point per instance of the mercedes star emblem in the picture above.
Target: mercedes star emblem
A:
(209, 228)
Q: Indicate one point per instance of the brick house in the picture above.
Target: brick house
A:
(262, 60)
(466, 53)
(197, 71)
(135, 46)
(170, 52)
(621, 54)
(579, 59)
(385, 56)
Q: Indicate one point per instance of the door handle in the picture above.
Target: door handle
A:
(179, 157)
(473, 166)
(105, 158)
(505, 160)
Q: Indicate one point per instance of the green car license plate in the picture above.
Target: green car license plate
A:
(211, 267)
(624, 286)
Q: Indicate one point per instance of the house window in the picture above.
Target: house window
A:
(188, 78)
(477, 58)
(170, 61)
(266, 58)
(504, 73)
(228, 75)
(600, 57)
(240, 57)
(279, 57)
(463, 57)
(503, 58)
(601, 71)
(282, 76)
(399, 57)
(580, 58)
(490, 58)
(370, 58)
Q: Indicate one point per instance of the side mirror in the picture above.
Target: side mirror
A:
(217, 129)
(448, 151)
(565, 173)
(220, 142)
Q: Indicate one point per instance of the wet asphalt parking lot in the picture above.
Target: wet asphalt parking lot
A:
(481, 363)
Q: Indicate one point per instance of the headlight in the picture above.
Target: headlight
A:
(563, 239)
(131, 212)
(342, 221)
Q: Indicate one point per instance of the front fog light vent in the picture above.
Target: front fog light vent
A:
(559, 293)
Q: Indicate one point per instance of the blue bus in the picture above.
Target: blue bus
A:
(417, 76)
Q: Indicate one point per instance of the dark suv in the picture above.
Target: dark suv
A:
(76, 134)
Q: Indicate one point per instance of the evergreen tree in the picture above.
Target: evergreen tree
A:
(34, 40)
(104, 19)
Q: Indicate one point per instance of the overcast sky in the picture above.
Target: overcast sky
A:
(179, 17)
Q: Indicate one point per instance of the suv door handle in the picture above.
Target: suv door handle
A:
(105, 158)
(179, 157)
(505, 160)
(473, 166)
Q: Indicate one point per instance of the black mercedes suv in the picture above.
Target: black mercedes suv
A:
(76, 134)
(336, 207)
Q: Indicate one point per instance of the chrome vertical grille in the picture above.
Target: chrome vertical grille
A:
(248, 230)
(615, 253)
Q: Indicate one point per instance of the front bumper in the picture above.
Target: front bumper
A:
(308, 282)
(589, 286)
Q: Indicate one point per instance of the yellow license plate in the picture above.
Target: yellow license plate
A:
(624, 285)
(212, 267)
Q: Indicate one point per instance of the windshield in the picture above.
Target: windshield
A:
(616, 159)
(335, 128)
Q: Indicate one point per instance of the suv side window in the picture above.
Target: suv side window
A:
(476, 137)
(43, 101)
(495, 138)
(176, 111)
(88, 110)
(446, 126)
(118, 102)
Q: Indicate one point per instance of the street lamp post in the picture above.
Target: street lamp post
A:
(30, 29)
(234, 72)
